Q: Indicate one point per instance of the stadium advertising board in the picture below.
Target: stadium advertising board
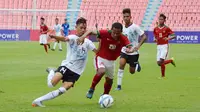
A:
(14, 35)
(181, 37)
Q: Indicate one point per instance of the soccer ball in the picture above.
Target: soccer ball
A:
(106, 101)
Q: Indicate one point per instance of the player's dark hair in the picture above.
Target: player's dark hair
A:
(56, 19)
(126, 10)
(42, 18)
(117, 25)
(162, 15)
(81, 20)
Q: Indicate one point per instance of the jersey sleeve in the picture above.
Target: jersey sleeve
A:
(91, 45)
(71, 38)
(139, 30)
(170, 32)
(102, 33)
(154, 33)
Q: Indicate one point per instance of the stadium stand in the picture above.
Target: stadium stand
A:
(183, 15)
(108, 11)
(22, 19)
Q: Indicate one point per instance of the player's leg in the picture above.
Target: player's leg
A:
(133, 63)
(109, 78)
(100, 67)
(161, 58)
(54, 46)
(122, 64)
(68, 77)
(53, 94)
(45, 42)
(167, 61)
(60, 45)
(40, 40)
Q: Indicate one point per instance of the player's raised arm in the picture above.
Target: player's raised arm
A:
(60, 38)
(89, 32)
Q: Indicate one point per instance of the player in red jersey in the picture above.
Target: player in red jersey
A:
(43, 34)
(111, 43)
(162, 35)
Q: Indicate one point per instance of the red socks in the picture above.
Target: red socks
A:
(107, 85)
(45, 48)
(95, 81)
(163, 70)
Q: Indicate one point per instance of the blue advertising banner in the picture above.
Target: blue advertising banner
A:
(14, 35)
(181, 37)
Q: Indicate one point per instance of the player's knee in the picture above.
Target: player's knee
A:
(132, 71)
(159, 63)
(101, 72)
(51, 84)
(62, 90)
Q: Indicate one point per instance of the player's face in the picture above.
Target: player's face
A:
(127, 18)
(65, 21)
(81, 28)
(42, 21)
(161, 20)
(56, 21)
(116, 33)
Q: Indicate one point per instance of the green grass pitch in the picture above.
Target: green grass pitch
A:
(23, 78)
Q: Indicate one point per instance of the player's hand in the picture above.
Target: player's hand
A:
(155, 40)
(130, 50)
(80, 40)
(136, 48)
(166, 39)
(51, 36)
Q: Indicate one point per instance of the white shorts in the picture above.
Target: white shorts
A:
(43, 39)
(162, 51)
(107, 64)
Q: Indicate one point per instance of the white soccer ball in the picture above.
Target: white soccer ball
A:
(106, 101)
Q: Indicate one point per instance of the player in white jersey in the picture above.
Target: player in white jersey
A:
(133, 32)
(72, 67)
(57, 28)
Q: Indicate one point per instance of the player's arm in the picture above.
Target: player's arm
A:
(142, 35)
(171, 34)
(89, 32)
(60, 38)
(154, 33)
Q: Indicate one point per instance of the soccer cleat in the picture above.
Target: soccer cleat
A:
(173, 62)
(53, 49)
(90, 93)
(118, 87)
(138, 67)
(162, 78)
(37, 103)
(50, 68)
(60, 49)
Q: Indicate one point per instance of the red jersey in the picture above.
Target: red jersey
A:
(161, 33)
(43, 28)
(110, 49)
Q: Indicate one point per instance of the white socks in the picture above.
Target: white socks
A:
(49, 78)
(55, 44)
(51, 95)
(120, 76)
(59, 45)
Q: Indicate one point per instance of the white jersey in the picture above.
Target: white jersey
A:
(76, 56)
(133, 33)
(57, 28)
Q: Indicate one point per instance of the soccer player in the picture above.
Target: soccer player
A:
(72, 67)
(43, 34)
(65, 28)
(111, 43)
(57, 28)
(162, 35)
(133, 32)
